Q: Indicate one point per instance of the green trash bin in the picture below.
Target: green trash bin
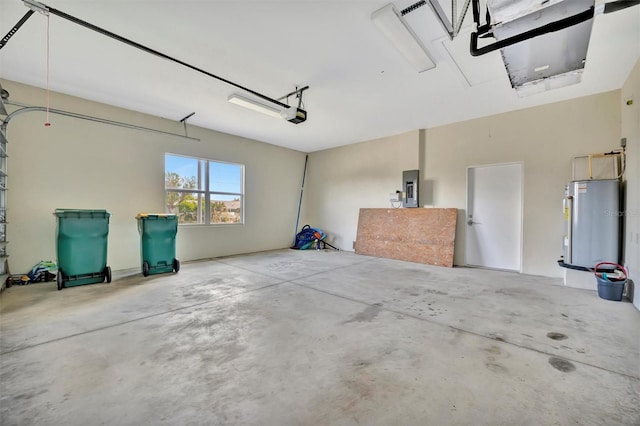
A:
(81, 246)
(158, 242)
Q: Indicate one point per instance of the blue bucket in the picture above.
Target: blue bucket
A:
(610, 288)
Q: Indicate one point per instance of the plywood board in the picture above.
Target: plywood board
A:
(415, 235)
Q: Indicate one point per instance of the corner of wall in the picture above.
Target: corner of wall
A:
(342, 180)
(630, 129)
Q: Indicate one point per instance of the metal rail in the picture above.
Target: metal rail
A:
(26, 108)
(46, 9)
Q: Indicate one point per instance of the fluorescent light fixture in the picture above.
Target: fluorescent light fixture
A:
(291, 114)
(256, 105)
(405, 40)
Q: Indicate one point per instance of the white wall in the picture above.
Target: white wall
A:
(342, 180)
(81, 164)
(544, 139)
(631, 131)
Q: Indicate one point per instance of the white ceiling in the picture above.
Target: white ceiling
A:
(360, 86)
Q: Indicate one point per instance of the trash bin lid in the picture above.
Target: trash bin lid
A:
(64, 212)
(146, 215)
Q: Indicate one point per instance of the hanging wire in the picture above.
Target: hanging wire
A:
(47, 123)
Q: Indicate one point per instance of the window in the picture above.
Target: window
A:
(202, 191)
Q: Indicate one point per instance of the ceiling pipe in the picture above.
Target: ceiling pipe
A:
(551, 27)
(486, 29)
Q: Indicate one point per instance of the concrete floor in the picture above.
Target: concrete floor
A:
(318, 338)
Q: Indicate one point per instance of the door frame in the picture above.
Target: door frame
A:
(466, 215)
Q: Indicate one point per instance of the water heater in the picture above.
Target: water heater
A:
(592, 222)
(410, 188)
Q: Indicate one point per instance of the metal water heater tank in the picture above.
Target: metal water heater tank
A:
(592, 222)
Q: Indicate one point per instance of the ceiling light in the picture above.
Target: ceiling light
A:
(405, 40)
(289, 113)
(263, 107)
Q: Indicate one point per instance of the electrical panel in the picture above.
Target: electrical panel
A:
(410, 188)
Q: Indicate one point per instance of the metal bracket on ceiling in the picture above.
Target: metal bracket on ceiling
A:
(297, 92)
(451, 28)
(36, 6)
(184, 122)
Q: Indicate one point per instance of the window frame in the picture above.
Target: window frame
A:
(206, 193)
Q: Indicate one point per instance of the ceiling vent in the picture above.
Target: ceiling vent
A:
(559, 54)
(543, 43)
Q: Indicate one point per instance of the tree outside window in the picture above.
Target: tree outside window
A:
(203, 191)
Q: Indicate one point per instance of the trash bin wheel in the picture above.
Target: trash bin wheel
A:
(107, 274)
(145, 268)
(176, 265)
(60, 280)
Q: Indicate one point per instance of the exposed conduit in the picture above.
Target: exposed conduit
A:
(27, 108)
(486, 30)
(304, 175)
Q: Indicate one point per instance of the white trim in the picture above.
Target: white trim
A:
(522, 187)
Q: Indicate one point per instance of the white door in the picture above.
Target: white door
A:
(494, 216)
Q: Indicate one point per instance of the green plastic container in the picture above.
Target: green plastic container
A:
(82, 247)
(158, 242)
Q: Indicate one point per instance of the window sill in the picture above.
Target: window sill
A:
(216, 225)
